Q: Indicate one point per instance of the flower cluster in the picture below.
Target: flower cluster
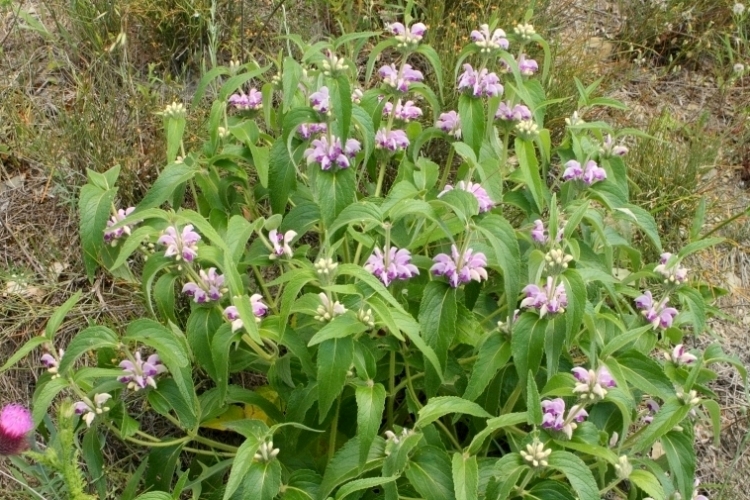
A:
(15, 425)
(407, 36)
(184, 245)
(554, 416)
(556, 261)
(327, 310)
(609, 148)
(138, 374)
(325, 266)
(541, 235)
(489, 42)
(527, 67)
(484, 200)
(481, 83)
(391, 264)
(321, 101)
(307, 130)
(404, 112)
(400, 80)
(517, 113)
(524, 31)
(536, 454)
(450, 123)
(658, 314)
(327, 154)
(266, 452)
(90, 409)
(333, 64)
(280, 243)
(673, 273)
(460, 267)
(527, 129)
(253, 100)
(51, 362)
(256, 304)
(591, 174)
(391, 140)
(592, 384)
(651, 408)
(550, 299)
(210, 287)
(680, 356)
(112, 235)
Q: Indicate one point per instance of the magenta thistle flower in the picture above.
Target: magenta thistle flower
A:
(489, 42)
(680, 356)
(484, 200)
(541, 235)
(210, 287)
(658, 314)
(250, 101)
(554, 419)
(391, 140)
(138, 374)
(184, 245)
(281, 242)
(527, 67)
(450, 123)
(460, 268)
(259, 310)
(328, 154)
(404, 112)
(90, 409)
(550, 299)
(111, 235)
(591, 174)
(391, 264)
(400, 80)
(408, 35)
(320, 100)
(593, 384)
(307, 130)
(481, 83)
(15, 425)
(672, 273)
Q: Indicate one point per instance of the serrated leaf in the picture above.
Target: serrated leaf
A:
(44, 394)
(577, 472)
(362, 212)
(438, 312)
(529, 168)
(471, 113)
(362, 484)
(648, 483)
(465, 477)
(493, 425)
(533, 401)
(678, 446)
(370, 406)
(335, 191)
(282, 176)
(429, 472)
(669, 415)
(345, 465)
(527, 344)
(170, 178)
(94, 205)
(493, 355)
(334, 360)
(438, 407)
(90, 339)
(243, 461)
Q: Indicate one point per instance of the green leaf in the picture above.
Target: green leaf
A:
(529, 167)
(362, 484)
(345, 465)
(533, 401)
(411, 329)
(94, 206)
(21, 353)
(239, 231)
(642, 219)
(263, 481)
(577, 472)
(175, 128)
(184, 407)
(335, 191)
(282, 176)
(549, 490)
(90, 339)
(648, 483)
(697, 306)
(714, 410)
(155, 495)
(44, 394)
(501, 235)
(527, 344)
(429, 472)
(493, 355)
(334, 358)
(443, 405)
(645, 374)
(465, 477)
(678, 446)
(575, 289)
(714, 354)
(471, 112)
(370, 406)
(363, 212)
(170, 178)
(493, 425)
(341, 99)
(261, 155)
(243, 461)
(669, 415)
(221, 344)
(164, 296)
(434, 59)
(58, 316)
(438, 312)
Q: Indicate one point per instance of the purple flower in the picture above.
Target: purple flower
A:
(51, 362)
(481, 83)
(484, 200)
(110, 235)
(592, 173)
(281, 242)
(400, 80)
(527, 67)
(139, 373)
(680, 356)
(327, 155)
(391, 140)
(320, 101)
(651, 408)
(697, 481)
(517, 113)
(550, 299)
(252, 100)
(553, 419)
(408, 35)
(450, 123)
(90, 409)
(659, 315)
(357, 95)
(15, 425)
(541, 235)
(673, 273)
(609, 149)
(488, 42)
(307, 130)
(404, 112)
(210, 287)
(593, 384)
(184, 245)
(259, 310)
(391, 264)
(460, 268)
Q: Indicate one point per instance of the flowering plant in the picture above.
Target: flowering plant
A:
(421, 330)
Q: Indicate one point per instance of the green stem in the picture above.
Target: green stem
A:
(215, 444)
(447, 169)
(256, 348)
(381, 176)
(334, 429)
(212, 453)
(264, 288)
(392, 388)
